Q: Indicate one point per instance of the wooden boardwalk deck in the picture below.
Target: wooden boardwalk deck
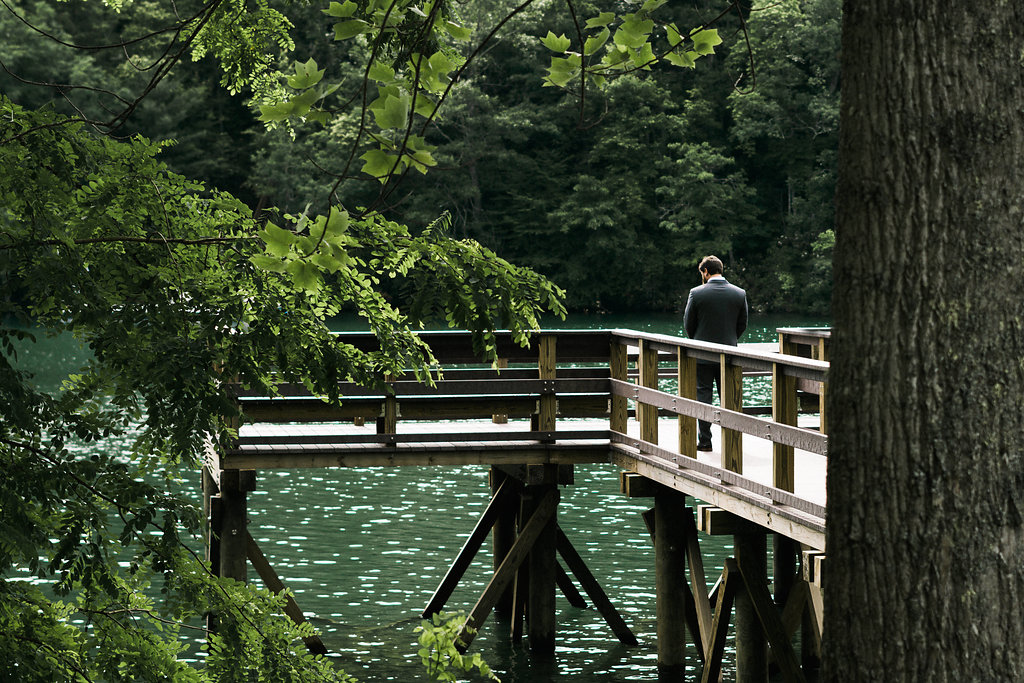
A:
(616, 396)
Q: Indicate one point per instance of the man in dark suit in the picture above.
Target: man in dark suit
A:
(716, 311)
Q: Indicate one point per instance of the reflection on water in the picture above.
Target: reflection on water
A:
(364, 549)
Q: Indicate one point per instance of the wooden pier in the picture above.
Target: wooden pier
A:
(576, 398)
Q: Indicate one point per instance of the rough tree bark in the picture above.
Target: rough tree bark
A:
(926, 470)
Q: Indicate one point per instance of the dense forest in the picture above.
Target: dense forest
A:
(614, 195)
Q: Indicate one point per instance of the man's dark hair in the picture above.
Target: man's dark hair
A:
(712, 264)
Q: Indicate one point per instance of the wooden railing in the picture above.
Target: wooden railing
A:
(564, 375)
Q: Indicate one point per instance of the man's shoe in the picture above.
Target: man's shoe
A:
(704, 447)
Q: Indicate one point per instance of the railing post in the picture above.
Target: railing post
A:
(732, 399)
(618, 368)
(648, 414)
(548, 405)
(500, 419)
(687, 389)
(784, 411)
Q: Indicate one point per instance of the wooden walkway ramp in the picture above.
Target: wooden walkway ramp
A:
(576, 398)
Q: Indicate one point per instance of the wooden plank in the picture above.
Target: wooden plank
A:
(633, 485)
(732, 399)
(646, 413)
(506, 572)
(803, 439)
(469, 550)
(771, 624)
(799, 526)
(687, 378)
(714, 521)
(274, 584)
(784, 411)
(568, 588)
(793, 610)
(593, 589)
(618, 370)
(720, 625)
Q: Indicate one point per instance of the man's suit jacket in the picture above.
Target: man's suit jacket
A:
(716, 312)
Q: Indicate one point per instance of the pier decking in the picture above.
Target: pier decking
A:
(572, 399)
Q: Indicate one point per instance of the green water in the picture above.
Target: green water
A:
(364, 549)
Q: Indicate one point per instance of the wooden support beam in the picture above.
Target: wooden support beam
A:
(720, 626)
(540, 600)
(568, 588)
(648, 414)
(503, 532)
(618, 367)
(274, 584)
(469, 550)
(233, 524)
(698, 583)
(538, 474)
(767, 614)
(593, 590)
(715, 521)
(633, 485)
(669, 572)
(751, 644)
(793, 611)
(648, 517)
(506, 572)
(732, 399)
(687, 375)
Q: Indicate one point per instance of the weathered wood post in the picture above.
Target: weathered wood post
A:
(543, 567)
(670, 581)
(687, 373)
(503, 534)
(750, 549)
(751, 647)
(732, 399)
(646, 413)
(547, 409)
(784, 411)
(618, 366)
(233, 531)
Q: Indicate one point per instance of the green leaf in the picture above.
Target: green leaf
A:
(705, 40)
(276, 112)
(556, 43)
(687, 59)
(633, 32)
(602, 19)
(458, 32)
(651, 5)
(305, 275)
(675, 39)
(340, 10)
(390, 111)
(560, 72)
(381, 72)
(270, 263)
(306, 75)
(304, 100)
(378, 163)
(594, 43)
(344, 30)
(278, 240)
(337, 222)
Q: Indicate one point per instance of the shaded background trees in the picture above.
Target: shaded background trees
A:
(615, 200)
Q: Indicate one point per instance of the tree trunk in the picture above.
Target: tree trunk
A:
(925, 540)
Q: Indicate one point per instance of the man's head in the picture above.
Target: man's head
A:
(710, 265)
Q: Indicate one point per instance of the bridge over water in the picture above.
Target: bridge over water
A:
(576, 398)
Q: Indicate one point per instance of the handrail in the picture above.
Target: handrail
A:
(571, 373)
